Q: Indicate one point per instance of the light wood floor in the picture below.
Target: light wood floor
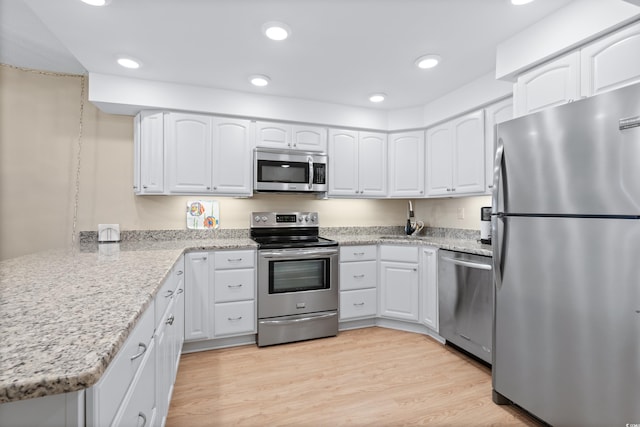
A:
(364, 377)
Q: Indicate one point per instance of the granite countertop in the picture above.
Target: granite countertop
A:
(65, 314)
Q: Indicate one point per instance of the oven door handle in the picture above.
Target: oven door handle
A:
(299, 319)
(298, 253)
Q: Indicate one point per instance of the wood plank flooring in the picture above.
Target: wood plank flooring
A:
(364, 377)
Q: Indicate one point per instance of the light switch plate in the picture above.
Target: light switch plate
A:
(108, 233)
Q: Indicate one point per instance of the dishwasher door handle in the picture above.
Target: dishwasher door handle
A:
(468, 264)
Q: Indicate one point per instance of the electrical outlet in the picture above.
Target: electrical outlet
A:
(460, 213)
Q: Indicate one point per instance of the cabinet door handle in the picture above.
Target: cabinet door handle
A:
(234, 286)
(179, 273)
(144, 348)
(234, 319)
(358, 276)
(179, 291)
(170, 320)
(144, 418)
(358, 253)
(358, 304)
(169, 293)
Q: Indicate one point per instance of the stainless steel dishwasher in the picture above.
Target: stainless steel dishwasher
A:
(465, 301)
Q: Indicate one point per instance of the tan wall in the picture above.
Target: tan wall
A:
(40, 119)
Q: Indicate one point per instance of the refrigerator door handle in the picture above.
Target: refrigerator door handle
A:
(497, 215)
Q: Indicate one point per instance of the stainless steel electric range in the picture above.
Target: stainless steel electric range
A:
(297, 278)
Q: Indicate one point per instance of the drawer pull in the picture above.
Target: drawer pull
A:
(169, 293)
(179, 291)
(144, 418)
(144, 348)
(358, 253)
(170, 320)
(234, 319)
(234, 259)
(358, 304)
(179, 273)
(234, 286)
(358, 276)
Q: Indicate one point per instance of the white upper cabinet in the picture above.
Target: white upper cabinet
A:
(554, 83)
(456, 157)
(611, 62)
(494, 114)
(232, 160)
(308, 138)
(148, 156)
(608, 63)
(208, 155)
(357, 164)
(291, 137)
(406, 164)
(188, 138)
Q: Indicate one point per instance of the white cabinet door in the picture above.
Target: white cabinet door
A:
(232, 160)
(406, 164)
(611, 62)
(372, 164)
(494, 114)
(399, 291)
(188, 139)
(151, 153)
(468, 153)
(554, 83)
(343, 163)
(429, 284)
(309, 138)
(439, 160)
(273, 135)
(197, 325)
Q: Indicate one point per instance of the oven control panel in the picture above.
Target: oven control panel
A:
(284, 219)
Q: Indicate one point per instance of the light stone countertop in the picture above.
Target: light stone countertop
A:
(65, 314)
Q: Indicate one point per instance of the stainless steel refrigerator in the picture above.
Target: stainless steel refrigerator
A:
(566, 246)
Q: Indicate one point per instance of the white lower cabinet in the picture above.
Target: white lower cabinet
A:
(399, 282)
(358, 282)
(136, 387)
(429, 287)
(220, 294)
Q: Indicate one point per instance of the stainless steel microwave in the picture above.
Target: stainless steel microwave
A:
(289, 171)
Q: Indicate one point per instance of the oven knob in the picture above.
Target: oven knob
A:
(300, 219)
(264, 219)
(256, 219)
(306, 219)
(314, 218)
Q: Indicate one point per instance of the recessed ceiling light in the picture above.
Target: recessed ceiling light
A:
(377, 97)
(259, 80)
(276, 30)
(520, 2)
(128, 62)
(427, 61)
(96, 2)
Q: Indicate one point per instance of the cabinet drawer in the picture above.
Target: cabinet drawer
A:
(233, 259)
(234, 318)
(138, 407)
(399, 253)
(358, 275)
(168, 289)
(234, 285)
(107, 394)
(357, 253)
(358, 303)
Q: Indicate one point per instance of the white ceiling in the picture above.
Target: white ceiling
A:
(340, 51)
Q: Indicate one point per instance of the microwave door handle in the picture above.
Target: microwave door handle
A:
(310, 160)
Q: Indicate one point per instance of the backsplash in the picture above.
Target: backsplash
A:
(235, 233)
